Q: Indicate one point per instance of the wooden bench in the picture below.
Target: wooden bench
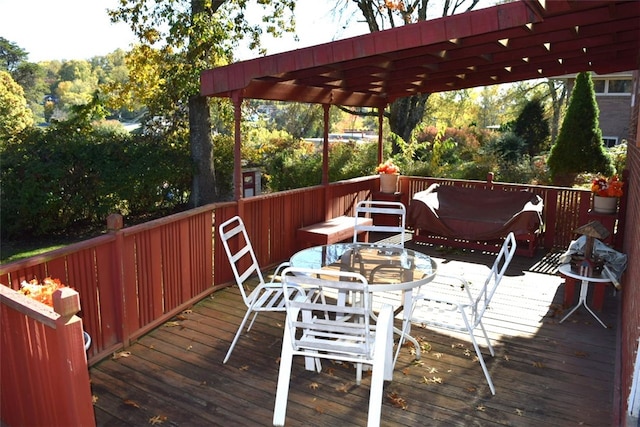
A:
(332, 231)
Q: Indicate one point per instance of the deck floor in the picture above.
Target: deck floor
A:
(545, 373)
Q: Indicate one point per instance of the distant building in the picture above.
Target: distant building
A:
(615, 101)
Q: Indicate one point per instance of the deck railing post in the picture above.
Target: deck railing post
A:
(72, 366)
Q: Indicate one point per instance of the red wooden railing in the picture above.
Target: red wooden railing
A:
(133, 279)
(45, 378)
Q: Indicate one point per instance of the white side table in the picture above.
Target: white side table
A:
(584, 287)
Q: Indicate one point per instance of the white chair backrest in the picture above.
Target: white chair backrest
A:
(500, 265)
(240, 253)
(369, 208)
(328, 334)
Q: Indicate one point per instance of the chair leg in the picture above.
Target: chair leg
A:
(478, 352)
(486, 337)
(381, 369)
(284, 376)
(235, 339)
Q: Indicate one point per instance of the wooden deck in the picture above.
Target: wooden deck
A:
(545, 373)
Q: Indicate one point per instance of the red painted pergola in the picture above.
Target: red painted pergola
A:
(517, 41)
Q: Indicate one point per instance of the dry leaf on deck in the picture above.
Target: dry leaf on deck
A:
(171, 324)
(158, 419)
(132, 403)
(120, 354)
(538, 365)
(343, 388)
(314, 386)
(244, 368)
(396, 400)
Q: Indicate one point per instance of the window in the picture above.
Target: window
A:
(619, 86)
(599, 86)
(612, 86)
(610, 141)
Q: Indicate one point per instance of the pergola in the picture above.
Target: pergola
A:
(511, 42)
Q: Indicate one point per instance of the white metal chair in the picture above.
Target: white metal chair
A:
(450, 302)
(266, 296)
(383, 209)
(316, 328)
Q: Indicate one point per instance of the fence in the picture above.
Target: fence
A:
(133, 279)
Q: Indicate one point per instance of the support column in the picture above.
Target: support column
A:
(380, 122)
(236, 98)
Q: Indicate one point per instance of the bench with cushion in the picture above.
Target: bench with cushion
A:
(475, 217)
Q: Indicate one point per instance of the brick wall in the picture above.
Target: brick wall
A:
(614, 115)
(630, 325)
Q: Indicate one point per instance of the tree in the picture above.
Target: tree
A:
(15, 116)
(11, 55)
(579, 147)
(532, 127)
(404, 114)
(178, 40)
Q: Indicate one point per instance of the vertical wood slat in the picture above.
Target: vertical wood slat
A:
(162, 266)
(43, 369)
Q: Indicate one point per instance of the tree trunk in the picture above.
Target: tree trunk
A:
(203, 189)
(404, 116)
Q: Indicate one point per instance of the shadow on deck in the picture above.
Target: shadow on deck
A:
(545, 373)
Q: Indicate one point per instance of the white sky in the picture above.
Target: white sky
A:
(81, 29)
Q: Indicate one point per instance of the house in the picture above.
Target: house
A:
(614, 95)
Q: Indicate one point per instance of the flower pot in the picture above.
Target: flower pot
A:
(389, 182)
(605, 205)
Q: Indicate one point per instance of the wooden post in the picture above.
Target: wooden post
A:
(72, 369)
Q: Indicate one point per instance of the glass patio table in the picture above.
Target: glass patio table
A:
(386, 268)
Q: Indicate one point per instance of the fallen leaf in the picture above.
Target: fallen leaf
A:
(396, 400)
(120, 354)
(314, 386)
(132, 403)
(343, 388)
(181, 317)
(471, 389)
(189, 347)
(405, 371)
(417, 363)
(244, 368)
(188, 311)
(581, 354)
(433, 370)
(438, 355)
(94, 399)
(520, 412)
(506, 357)
(319, 410)
(171, 324)
(158, 419)
(480, 408)
(331, 372)
(538, 365)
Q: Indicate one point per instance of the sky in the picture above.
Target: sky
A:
(81, 29)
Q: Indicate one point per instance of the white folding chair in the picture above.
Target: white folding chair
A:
(316, 329)
(388, 211)
(266, 296)
(449, 302)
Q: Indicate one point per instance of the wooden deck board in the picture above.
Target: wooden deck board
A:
(545, 373)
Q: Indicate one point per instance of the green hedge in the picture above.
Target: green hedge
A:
(56, 177)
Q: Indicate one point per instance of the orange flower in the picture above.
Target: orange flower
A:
(607, 187)
(42, 292)
(387, 167)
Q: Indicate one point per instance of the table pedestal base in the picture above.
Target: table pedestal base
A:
(582, 300)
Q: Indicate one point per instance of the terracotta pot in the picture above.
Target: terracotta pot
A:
(605, 205)
(389, 182)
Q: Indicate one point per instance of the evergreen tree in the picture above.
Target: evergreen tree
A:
(579, 146)
(532, 127)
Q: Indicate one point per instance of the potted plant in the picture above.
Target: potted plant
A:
(606, 192)
(389, 174)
